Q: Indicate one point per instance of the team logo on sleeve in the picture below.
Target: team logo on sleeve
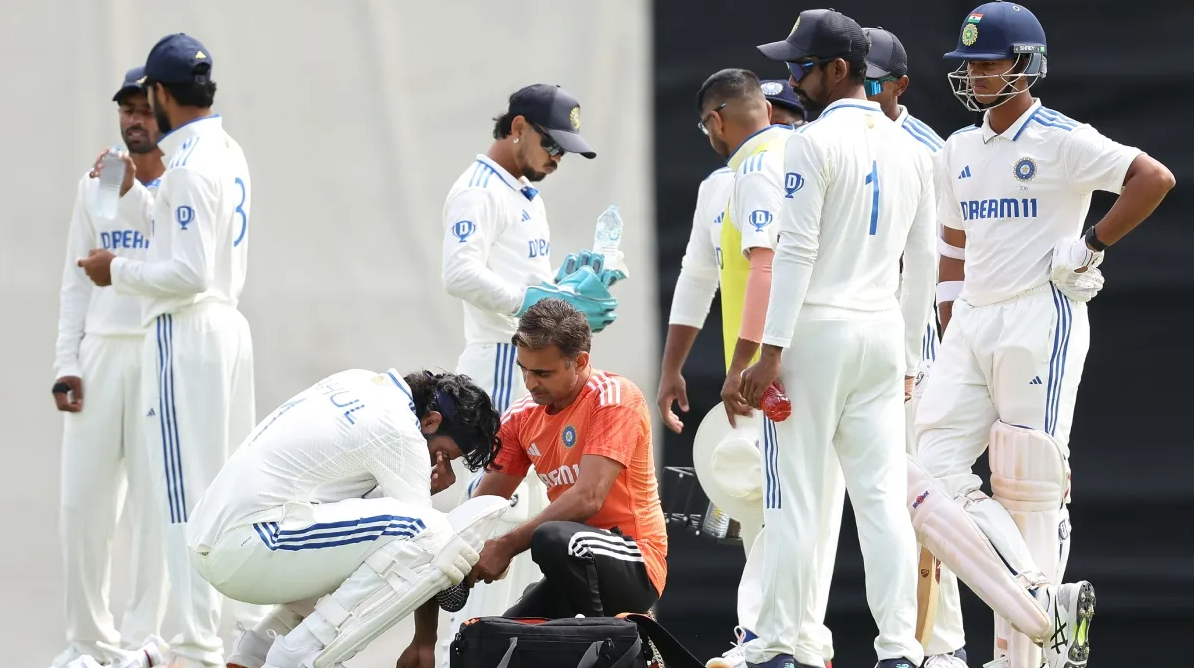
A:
(1025, 169)
(792, 183)
(569, 436)
(759, 219)
(463, 229)
(183, 215)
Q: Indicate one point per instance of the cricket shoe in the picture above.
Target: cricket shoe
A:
(1071, 606)
(779, 661)
(895, 663)
(949, 660)
(249, 650)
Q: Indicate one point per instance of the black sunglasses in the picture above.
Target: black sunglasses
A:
(547, 142)
(798, 70)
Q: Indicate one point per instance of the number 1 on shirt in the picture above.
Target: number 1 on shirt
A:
(873, 178)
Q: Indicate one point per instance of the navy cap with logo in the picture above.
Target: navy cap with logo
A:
(823, 33)
(178, 58)
(887, 57)
(779, 92)
(134, 82)
(554, 110)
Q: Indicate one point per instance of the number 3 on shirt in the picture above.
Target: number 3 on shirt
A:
(244, 217)
(873, 178)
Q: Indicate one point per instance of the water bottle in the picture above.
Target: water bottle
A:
(111, 176)
(608, 236)
(775, 404)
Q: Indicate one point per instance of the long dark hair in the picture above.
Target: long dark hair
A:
(468, 414)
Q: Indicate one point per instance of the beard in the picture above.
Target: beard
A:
(138, 144)
(812, 108)
(159, 115)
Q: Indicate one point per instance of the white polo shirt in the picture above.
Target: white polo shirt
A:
(858, 195)
(1018, 193)
(699, 268)
(496, 245)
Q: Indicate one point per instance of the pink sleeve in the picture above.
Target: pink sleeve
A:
(758, 292)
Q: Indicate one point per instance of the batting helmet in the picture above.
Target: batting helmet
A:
(999, 31)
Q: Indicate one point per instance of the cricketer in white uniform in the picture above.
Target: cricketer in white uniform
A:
(496, 259)
(197, 359)
(325, 512)
(858, 196)
(104, 463)
(887, 79)
(1019, 188)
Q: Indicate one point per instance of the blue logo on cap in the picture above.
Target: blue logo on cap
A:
(792, 183)
(183, 215)
(463, 229)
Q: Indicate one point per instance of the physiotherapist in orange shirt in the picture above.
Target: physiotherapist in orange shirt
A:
(601, 543)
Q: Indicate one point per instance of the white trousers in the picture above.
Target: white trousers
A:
(1019, 361)
(307, 554)
(813, 632)
(492, 366)
(105, 467)
(197, 391)
(844, 374)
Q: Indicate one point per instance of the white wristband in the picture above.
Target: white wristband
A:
(949, 251)
(948, 291)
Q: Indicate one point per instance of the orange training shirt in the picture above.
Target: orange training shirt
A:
(608, 418)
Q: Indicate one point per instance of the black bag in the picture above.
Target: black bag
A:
(598, 642)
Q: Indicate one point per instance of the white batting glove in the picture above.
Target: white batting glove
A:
(1081, 287)
(918, 386)
(1070, 255)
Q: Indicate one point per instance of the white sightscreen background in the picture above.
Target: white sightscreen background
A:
(356, 117)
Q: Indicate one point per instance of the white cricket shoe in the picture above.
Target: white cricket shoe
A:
(944, 661)
(249, 650)
(735, 657)
(1071, 606)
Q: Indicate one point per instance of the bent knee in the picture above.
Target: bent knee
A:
(551, 539)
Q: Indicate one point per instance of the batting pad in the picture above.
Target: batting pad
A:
(1029, 478)
(950, 533)
(400, 576)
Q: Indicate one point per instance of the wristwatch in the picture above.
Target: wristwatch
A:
(1092, 240)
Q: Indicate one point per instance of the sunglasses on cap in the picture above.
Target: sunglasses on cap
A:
(545, 140)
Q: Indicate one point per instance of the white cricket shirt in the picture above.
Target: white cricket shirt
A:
(199, 226)
(346, 435)
(1018, 193)
(758, 188)
(496, 245)
(84, 308)
(858, 196)
(699, 268)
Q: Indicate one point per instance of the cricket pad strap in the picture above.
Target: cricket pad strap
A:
(948, 531)
(1029, 479)
(400, 576)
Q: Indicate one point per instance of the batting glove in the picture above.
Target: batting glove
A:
(1070, 255)
(1082, 287)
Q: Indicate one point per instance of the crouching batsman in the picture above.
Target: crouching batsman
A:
(601, 543)
(325, 512)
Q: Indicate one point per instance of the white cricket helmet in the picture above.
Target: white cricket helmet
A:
(728, 464)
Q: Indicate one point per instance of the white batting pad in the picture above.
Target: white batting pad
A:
(1029, 478)
(397, 578)
(952, 535)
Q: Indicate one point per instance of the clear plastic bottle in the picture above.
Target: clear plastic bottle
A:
(107, 196)
(608, 235)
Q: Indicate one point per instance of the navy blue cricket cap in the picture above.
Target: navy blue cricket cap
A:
(134, 82)
(887, 56)
(780, 92)
(823, 33)
(178, 58)
(556, 111)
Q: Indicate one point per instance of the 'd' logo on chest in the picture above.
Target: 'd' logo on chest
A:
(568, 436)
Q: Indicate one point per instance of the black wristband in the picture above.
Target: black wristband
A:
(60, 388)
(1092, 240)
